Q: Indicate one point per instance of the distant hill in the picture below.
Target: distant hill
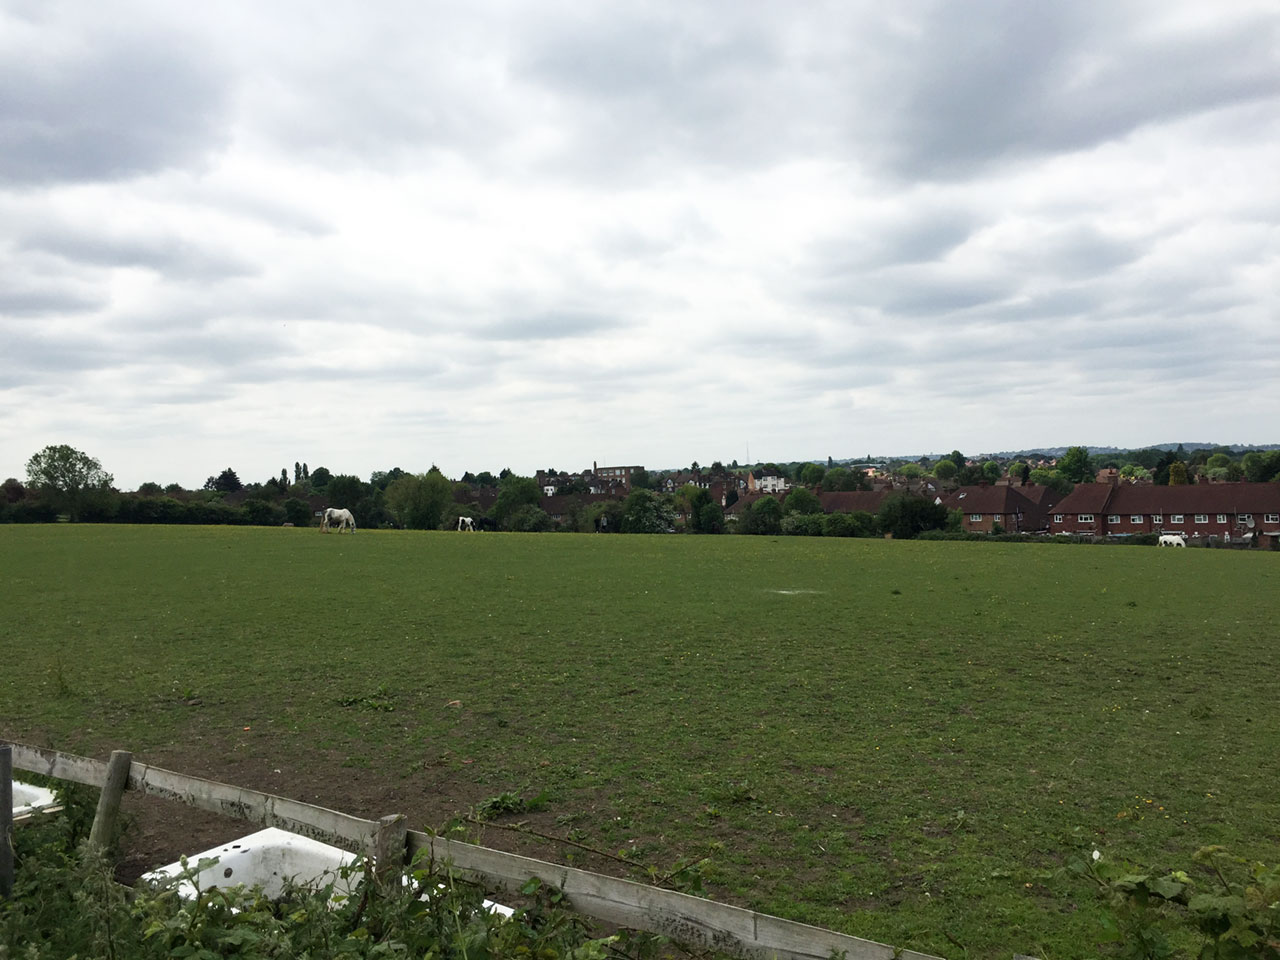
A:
(1189, 447)
(1052, 452)
(1044, 452)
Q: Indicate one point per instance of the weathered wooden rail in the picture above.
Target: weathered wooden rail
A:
(693, 921)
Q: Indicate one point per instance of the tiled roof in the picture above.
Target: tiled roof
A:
(744, 501)
(852, 501)
(998, 499)
(1261, 498)
(1086, 498)
(1039, 493)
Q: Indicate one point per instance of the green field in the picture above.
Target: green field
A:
(892, 739)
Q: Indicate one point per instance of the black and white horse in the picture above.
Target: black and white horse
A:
(466, 523)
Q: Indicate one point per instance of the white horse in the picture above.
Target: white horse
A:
(341, 517)
(466, 523)
(1172, 540)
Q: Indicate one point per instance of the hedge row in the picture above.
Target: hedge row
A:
(167, 510)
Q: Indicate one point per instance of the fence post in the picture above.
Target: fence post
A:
(390, 845)
(104, 820)
(6, 822)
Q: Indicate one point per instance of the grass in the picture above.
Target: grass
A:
(892, 739)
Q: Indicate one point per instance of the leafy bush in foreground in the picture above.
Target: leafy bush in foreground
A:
(1229, 911)
(66, 904)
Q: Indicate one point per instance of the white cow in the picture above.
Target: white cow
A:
(341, 517)
(466, 523)
(1172, 540)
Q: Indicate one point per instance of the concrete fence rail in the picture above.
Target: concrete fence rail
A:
(689, 920)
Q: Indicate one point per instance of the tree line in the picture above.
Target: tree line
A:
(63, 482)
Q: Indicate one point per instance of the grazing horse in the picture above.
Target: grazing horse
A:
(466, 523)
(341, 517)
(1172, 540)
(485, 523)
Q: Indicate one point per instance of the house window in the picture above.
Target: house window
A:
(1157, 518)
(1113, 518)
(1271, 518)
(1246, 516)
(1136, 518)
(1086, 518)
(975, 518)
(1202, 518)
(1057, 518)
(1176, 518)
(1222, 518)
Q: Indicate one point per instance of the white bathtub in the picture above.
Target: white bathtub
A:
(265, 859)
(29, 799)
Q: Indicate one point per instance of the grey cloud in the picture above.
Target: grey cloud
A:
(1076, 252)
(551, 325)
(113, 105)
(637, 91)
(988, 82)
(909, 235)
(919, 295)
(30, 356)
(22, 300)
(34, 286)
(171, 256)
(909, 291)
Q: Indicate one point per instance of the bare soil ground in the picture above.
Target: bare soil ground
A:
(159, 831)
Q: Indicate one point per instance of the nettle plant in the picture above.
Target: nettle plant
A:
(1222, 908)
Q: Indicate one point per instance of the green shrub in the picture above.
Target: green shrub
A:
(29, 511)
(297, 512)
(263, 514)
(65, 903)
(803, 524)
(529, 519)
(1223, 907)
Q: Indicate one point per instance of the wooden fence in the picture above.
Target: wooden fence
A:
(689, 920)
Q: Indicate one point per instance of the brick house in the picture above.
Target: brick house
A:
(982, 507)
(1227, 511)
(614, 476)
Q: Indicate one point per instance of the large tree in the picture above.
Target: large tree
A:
(811, 474)
(228, 481)
(1053, 479)
(647, 512)
(346, 490)
(514, 492)
(801, 500)
(68, 478)
(418, 501)
(764, 517)
(905, 516)
(1076, 465)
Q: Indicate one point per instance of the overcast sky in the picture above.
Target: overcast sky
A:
(532, 235)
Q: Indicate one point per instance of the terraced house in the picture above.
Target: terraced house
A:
(1227, 511)
(1013, 509)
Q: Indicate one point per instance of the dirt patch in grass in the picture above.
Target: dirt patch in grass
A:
(159, 831)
